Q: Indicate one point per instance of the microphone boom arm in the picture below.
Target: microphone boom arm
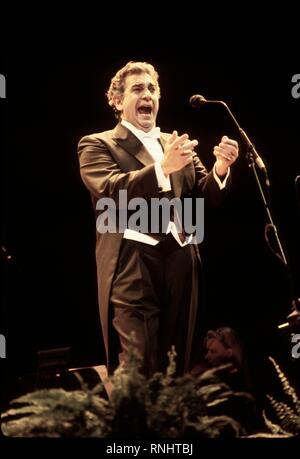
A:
(254, 158)
(252, 154)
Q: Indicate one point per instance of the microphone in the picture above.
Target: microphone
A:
(197, 100)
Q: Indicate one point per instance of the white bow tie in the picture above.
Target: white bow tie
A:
(153, 134)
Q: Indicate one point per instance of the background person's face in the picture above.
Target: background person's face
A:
(139, 103)
(217, 353)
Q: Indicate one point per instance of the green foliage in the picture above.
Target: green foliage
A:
(287, 414)
(58, 413)
(165, 406)
(179, 410)
(128, 398)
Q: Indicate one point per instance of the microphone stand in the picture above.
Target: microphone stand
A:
(293, 319)
(253, 158)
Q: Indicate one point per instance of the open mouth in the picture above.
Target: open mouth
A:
(145, 110)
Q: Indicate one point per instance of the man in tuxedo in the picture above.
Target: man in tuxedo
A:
(147, 283)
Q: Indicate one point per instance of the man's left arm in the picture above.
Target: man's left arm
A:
(226, 154)
(213, 184)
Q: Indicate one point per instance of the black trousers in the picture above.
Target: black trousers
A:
(155, 293)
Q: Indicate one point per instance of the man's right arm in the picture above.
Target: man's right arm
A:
(178, 153)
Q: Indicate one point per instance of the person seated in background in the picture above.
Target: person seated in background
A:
(223, 346)
(220, 347)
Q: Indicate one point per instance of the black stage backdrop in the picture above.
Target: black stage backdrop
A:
(57, 68)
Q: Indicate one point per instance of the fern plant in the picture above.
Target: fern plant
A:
(288, 415)
(164, 406)
(59, 413)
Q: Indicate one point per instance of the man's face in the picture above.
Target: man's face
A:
(139, 103)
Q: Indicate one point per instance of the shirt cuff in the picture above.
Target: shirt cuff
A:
(221, 183)
(163, 181)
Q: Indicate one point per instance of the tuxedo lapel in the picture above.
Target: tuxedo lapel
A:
(129, 142)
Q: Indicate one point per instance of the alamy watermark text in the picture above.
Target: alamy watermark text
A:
(151, 216)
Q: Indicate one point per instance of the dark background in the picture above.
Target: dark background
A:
(58, 67)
